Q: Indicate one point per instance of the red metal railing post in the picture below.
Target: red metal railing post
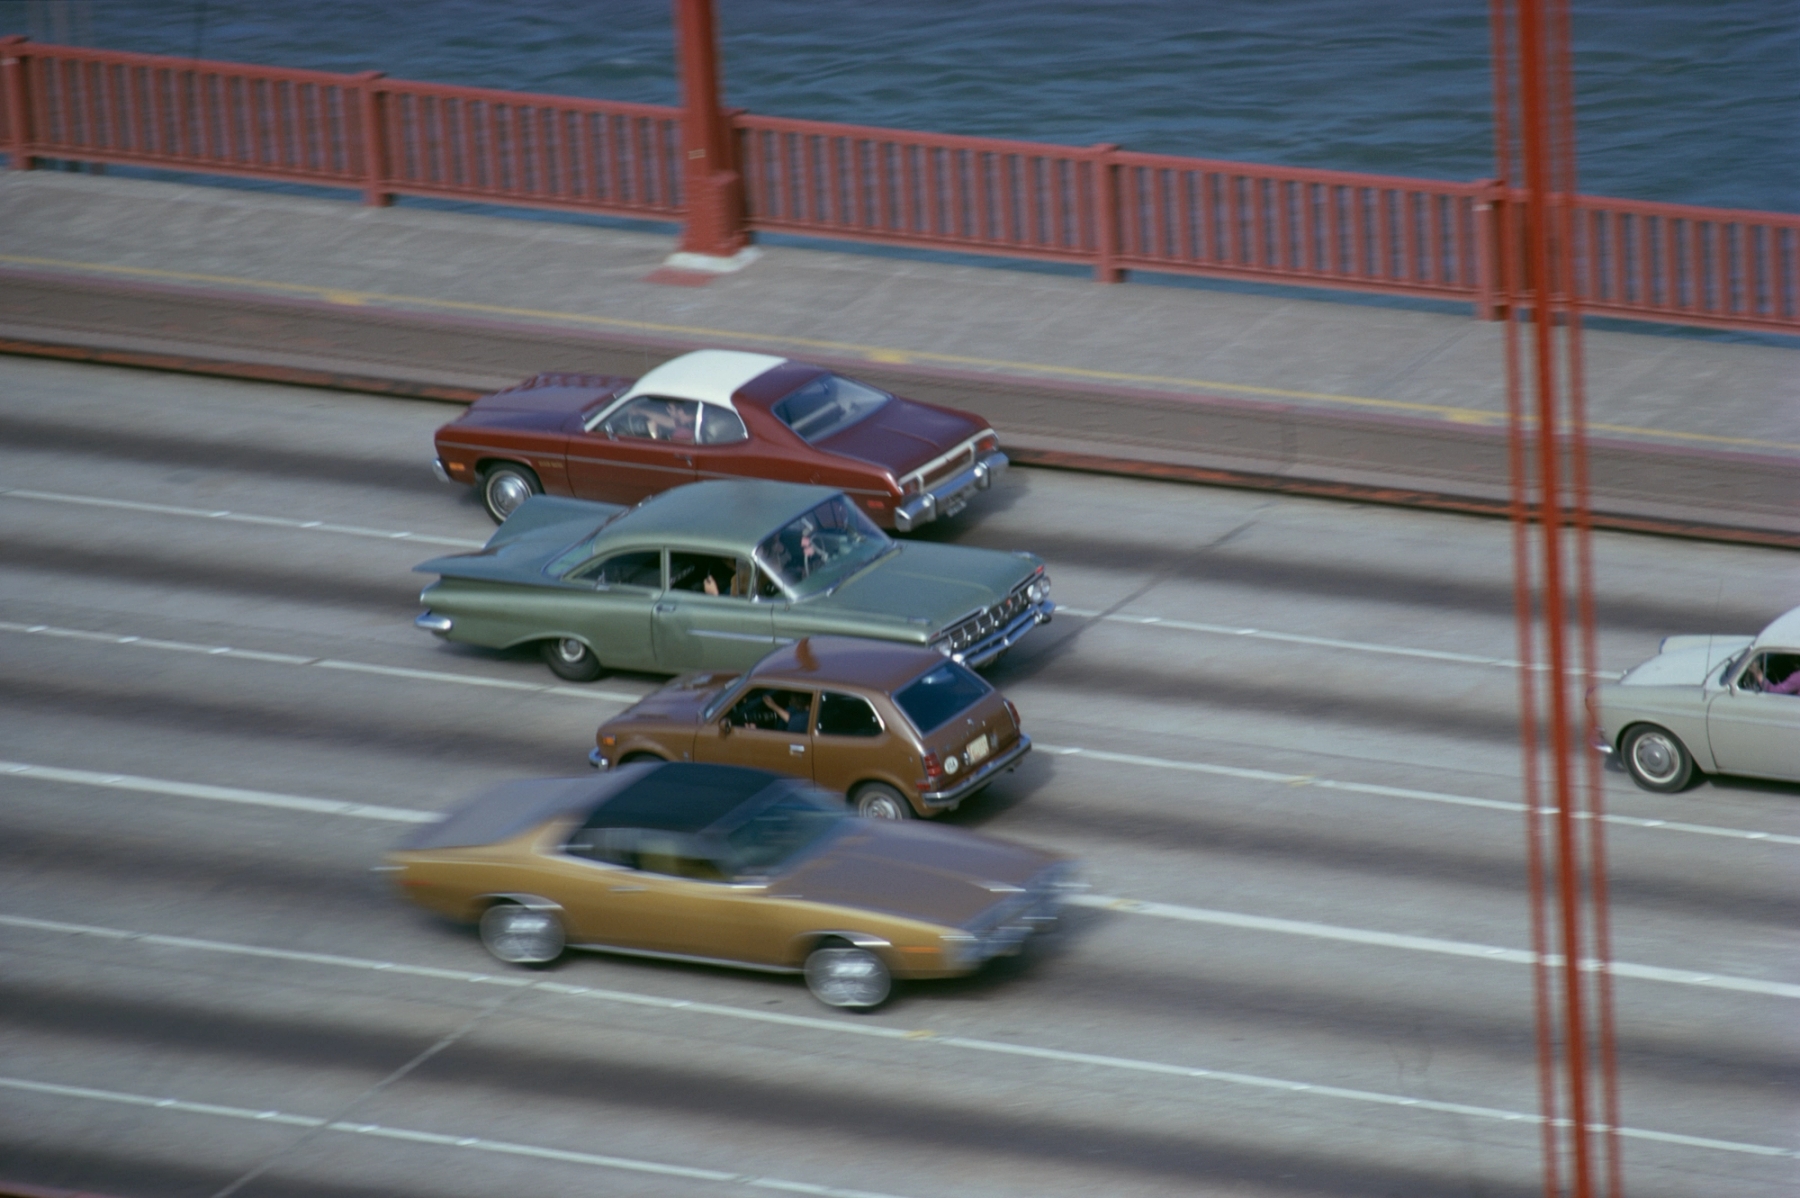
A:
(18, 106)
(713, 194)
(374, 138)
(1490, 221)
(1106, 214)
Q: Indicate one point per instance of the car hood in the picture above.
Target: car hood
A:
(915, 871)
(1687, 663)
(937, 583)
(680, 702)
(903, 435)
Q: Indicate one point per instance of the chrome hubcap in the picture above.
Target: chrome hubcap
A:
(570, 650)
(1655, 757)
(506, 491)
(847, 977)
(880, 807)
(520, 936)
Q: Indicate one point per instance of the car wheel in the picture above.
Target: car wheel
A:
(634, 758)
(505, 486)
(1657, 760)
(878, 800)
(842, 975)
(569, 658)
(520, 935)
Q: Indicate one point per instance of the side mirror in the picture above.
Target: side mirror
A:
(724, 728)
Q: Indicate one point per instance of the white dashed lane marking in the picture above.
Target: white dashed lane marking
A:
(860, 1028)
(433, 1139)
(1128, 906)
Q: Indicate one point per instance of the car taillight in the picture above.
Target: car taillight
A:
(934, 769)
(912, 486)
(1013, 712)
(987, 444)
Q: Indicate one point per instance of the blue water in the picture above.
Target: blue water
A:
(1690, 101)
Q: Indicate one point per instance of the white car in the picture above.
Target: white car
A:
(1712, 704)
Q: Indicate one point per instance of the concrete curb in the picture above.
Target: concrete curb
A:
(1286, 448)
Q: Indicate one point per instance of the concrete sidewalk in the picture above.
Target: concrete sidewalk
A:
(1173, 378)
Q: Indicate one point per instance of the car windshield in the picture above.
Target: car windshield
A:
(932, 698)
(827, 405)
(822, 548)
(782, 831)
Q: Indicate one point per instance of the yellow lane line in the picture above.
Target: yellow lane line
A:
(874, 353)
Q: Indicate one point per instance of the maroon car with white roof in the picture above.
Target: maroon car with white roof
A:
(718, 413)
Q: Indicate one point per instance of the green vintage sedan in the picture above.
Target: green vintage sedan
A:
(713, 575)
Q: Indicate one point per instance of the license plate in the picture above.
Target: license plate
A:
(978, 748)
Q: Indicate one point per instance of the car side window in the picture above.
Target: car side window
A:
(771, 709)
(611, 846)
(721, 426)
(847, 715)
(709, 574)
(653, 418)
(1772, 674)
(676, 856)
(640, 569)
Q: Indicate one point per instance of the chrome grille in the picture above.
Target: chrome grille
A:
(979, 625)
(949, 466)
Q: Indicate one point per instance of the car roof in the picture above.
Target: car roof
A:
(1784, 633)
(734, 512)
(682, 796)
(708, 375)
(878, 665)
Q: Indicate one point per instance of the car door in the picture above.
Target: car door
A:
(616, 606)
(707, 619)
(605, 900)
(851, 743)
(1753, 728)
(639, 449)
(769, 727)
(690, 907)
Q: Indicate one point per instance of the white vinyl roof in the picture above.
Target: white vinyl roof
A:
(708, 375)
(1784, 633)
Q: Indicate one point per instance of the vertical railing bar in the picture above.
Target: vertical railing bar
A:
(1724, 301)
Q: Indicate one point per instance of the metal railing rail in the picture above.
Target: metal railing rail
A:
(1113, 209)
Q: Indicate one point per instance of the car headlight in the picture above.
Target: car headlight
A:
(1039, 590)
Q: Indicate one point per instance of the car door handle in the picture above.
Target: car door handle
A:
(627, 889)
(797, 750)
(665, 607)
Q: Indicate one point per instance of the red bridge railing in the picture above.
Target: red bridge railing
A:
(1114, 209)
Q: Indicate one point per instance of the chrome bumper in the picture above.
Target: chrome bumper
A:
(437, 468)
(953, 795)
(950, 497)
(992, 646)
(597, 759)
(430, 621)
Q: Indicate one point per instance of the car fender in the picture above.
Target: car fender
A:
(803, 944)
(1683, 714)
(532, 902)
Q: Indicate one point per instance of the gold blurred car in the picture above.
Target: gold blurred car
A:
(728, 866)
(899, 729)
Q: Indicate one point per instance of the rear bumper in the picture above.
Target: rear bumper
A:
(951, 496)
(430, 621)
(952, 795)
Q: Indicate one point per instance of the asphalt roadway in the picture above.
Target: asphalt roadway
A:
(1279, 732)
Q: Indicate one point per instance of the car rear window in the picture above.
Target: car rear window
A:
(932, 698)
(826, 405)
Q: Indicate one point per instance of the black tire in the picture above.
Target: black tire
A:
(845, 976)
(506, 485)
(1656, 759)
(878, 800)
(634, 758)
(570, 659)
(521, 935)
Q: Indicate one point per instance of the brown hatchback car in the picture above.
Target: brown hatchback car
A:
(900, 730)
